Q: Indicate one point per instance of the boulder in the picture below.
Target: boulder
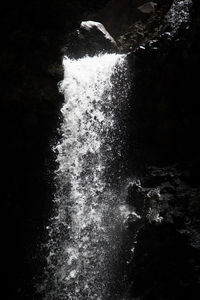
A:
(90, 39)
(148, 7)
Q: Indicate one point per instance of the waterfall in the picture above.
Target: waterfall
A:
(84, 231)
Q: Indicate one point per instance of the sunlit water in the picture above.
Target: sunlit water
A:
(178, 17)
(84, 232)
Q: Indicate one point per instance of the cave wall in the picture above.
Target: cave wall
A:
(167, 89)
(165, 264)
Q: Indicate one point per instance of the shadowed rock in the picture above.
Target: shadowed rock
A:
(148, 7)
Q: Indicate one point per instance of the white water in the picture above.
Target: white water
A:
(84, 232)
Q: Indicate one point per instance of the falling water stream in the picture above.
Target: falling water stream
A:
(84, 231)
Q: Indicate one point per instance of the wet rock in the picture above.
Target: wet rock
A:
(168, 21)
(152, 207)
(144, 203)
(166, 252)
(165, 68)
(132, 222)
(148, 7)
(136, 196)
(91, 38)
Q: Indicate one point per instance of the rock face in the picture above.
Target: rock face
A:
(124, 18)
(163, 259)
(165, 72)
(148, 7)
(90, 39)
(165, 262)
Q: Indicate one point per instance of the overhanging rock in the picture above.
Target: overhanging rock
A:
(90, 39)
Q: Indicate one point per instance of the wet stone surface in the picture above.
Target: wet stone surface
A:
(163, 258)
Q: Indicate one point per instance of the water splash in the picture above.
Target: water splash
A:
(84, 235)
(178, 16)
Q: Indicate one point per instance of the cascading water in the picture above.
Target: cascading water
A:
(84, 232)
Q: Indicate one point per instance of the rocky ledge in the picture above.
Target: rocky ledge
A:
(91, 38)
(163, 261)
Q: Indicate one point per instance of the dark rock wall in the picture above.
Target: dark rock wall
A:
(170, 97)
(166, 260)
(124, 18)
(165, 264)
